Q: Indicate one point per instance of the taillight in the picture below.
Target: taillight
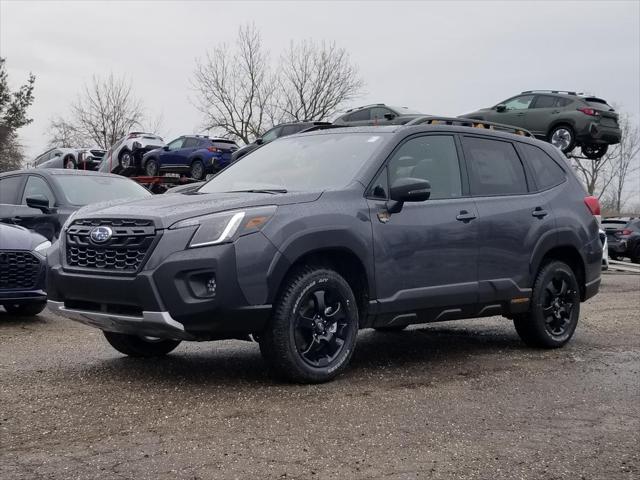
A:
(589, 111)
(592, 204)
(626, 231)
(214, 149)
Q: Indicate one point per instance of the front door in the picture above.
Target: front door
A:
(426, 254)
(516, 112)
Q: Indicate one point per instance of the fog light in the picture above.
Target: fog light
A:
(203, 284)
(211, 286)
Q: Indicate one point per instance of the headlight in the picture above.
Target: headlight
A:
(42, 248)
(225, 226)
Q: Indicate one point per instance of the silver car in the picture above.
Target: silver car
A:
(70, 158)
(124, 157)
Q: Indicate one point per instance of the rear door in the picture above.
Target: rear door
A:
(426, 254)
(183, 155)
(512, 217)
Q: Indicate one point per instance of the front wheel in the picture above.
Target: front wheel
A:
(25, 309)
(594, 151)
(312, 332)
(125, 159)
(562, 137)
(69, 163)
(135, 346)
(555, 308)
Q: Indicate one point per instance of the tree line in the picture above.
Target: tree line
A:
(241, 92)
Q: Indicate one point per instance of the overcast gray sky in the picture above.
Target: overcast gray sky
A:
(438, 57)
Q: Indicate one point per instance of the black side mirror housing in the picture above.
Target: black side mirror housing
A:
(166, 148)
(501, 108)
(40, 202)
(259, 141)
(389, 116)
(408, 190)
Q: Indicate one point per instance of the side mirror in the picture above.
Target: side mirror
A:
(389, 116)
(259, 141)
(166, 148)
(501, 108)
(408, 190)
(40, 202)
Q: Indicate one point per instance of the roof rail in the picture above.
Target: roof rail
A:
(365, 106)
(468, 122)
(565, 92)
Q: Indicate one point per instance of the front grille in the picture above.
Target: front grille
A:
(18, 270)
(125, 252)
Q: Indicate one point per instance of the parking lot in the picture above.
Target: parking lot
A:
(449, 400)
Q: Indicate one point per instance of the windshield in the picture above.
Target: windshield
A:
(306, 163)
(84, 189)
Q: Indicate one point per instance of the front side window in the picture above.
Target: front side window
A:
(360, 116)
(291, 129)
(548, 173)
(176, 144)
(306, 163)
(271, 135)
(495, 168)
(519, 103)
(37, 187)
(378, 113)
(433, 158)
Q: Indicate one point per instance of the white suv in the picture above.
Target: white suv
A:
(125, 155)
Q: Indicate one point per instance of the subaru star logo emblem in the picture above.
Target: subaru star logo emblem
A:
(101, 234)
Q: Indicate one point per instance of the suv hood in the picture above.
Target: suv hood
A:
(165, 210)
(13, 237)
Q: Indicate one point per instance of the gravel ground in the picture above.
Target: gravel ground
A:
(450, 400)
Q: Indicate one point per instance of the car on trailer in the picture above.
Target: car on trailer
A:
(124, 157)
(564, 119)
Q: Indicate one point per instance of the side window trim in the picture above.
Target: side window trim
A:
(527, 175)
(464, 180)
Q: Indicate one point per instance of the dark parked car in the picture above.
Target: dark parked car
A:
(195, 155)
(282, 130)
(377, 114)
(82, 158)
(22, 270)
(623, 237)
(565, 119)
(319, 234)
(42, 200)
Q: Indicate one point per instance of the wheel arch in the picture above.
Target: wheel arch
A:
(569, 254)
(562, 121)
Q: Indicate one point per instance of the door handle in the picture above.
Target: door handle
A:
(465, 216)
(520, 114)
(556, 111)
(539, 212)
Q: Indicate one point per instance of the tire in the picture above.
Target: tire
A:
(391, 329)
(69, 163)
(125, 159)
(548, 324)
(197, 170)
(594, 151)
(562, 137)
(635, 253)
(135, 346)
(151, 167)
(25, 309)
(312, 332)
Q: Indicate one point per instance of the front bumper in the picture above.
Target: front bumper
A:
(164, 299)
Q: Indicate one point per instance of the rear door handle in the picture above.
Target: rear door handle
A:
(465, 216)
(520, 114)
(539, 212)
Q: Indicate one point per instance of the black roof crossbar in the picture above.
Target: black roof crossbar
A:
(467, 122)
(565, 92)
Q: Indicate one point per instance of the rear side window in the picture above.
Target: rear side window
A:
(563, 102)
(190, 143)
(495, 168)
(291, 129)
(545, 101)
(547, 172)
(9, 187)
(360, 115)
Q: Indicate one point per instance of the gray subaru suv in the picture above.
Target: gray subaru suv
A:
(317, 235)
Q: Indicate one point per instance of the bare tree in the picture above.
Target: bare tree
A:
(234, 86)
(64, 134)
(595, 173)
(624, 161)
(316, 80)
(106, 110)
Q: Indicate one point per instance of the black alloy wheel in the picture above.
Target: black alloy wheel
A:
(558, 303)
(594, 151)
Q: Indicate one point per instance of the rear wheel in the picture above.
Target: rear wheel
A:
(562, 137)
(197, 170)
(594, 151)
(151, 167)
(312, 332)
(555, 308)
(635, 253)
(25, 309)
(135, 346)
(69, 162)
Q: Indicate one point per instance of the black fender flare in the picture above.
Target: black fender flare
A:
(559, 237)
(319, 240)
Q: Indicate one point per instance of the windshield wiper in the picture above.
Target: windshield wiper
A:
(271, 191)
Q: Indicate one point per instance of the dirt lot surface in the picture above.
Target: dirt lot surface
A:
(450, 400)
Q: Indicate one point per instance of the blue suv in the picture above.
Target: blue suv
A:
(196, 155)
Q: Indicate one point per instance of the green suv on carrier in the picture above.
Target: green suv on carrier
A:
(564, 119)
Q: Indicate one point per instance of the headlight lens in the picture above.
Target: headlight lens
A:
(223, 227)
(42, 248)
